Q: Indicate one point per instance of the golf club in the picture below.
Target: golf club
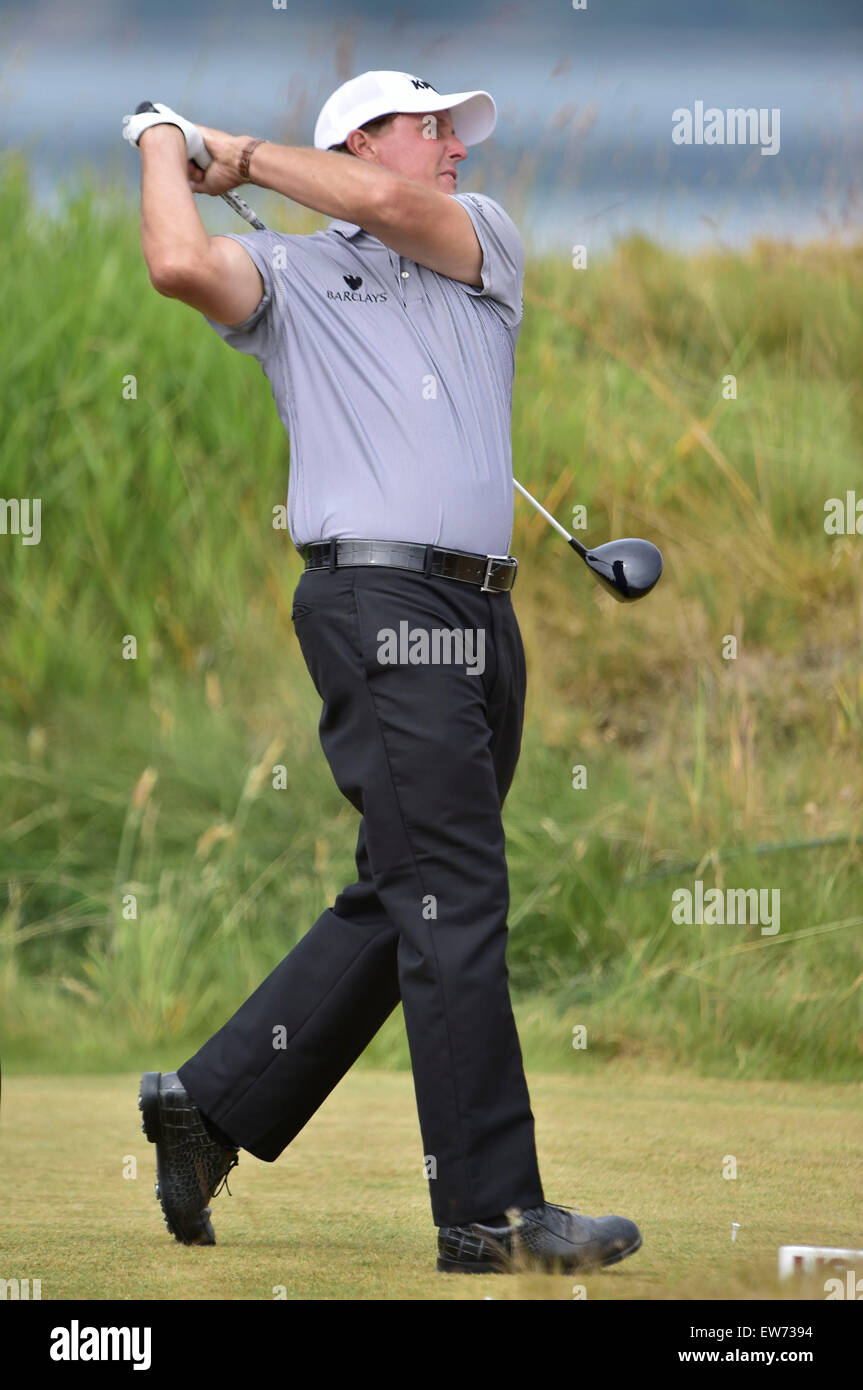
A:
(628, 568)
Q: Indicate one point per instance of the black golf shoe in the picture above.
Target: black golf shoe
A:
(190, 1165)
(555, 1240)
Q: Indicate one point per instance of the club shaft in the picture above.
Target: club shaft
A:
(548, 516)
(242, 208)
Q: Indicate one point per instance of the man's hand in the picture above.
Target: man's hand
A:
(213, 155)
(153, 113)
(224, 172)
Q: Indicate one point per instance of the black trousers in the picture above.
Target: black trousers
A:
(426, 753)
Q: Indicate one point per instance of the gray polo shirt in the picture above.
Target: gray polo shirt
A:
(393, 382)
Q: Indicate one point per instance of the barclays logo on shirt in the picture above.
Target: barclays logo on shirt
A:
(353, 282)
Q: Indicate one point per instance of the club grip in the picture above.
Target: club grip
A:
(232, 199)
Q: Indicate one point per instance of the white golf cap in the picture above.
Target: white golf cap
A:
(373, 94)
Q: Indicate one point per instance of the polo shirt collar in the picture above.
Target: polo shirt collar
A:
(348, 229)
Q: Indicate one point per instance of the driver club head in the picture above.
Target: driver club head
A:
(627, 568)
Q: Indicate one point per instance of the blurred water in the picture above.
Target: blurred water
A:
(582, 152)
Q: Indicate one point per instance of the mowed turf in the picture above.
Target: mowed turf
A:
(344, 1213)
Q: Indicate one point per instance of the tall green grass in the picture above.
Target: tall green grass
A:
(152, 777)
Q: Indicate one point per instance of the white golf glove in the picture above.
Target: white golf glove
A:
(134, 127)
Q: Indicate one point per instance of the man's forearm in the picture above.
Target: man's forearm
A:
(171, 229)
(337, 185)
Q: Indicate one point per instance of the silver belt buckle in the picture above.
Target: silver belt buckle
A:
(489, 560)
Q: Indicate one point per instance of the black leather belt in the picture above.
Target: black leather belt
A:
(493, 573)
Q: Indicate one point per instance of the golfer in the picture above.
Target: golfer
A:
(389, 341)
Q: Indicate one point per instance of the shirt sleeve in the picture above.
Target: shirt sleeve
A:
(502, 255)
(254, 335)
